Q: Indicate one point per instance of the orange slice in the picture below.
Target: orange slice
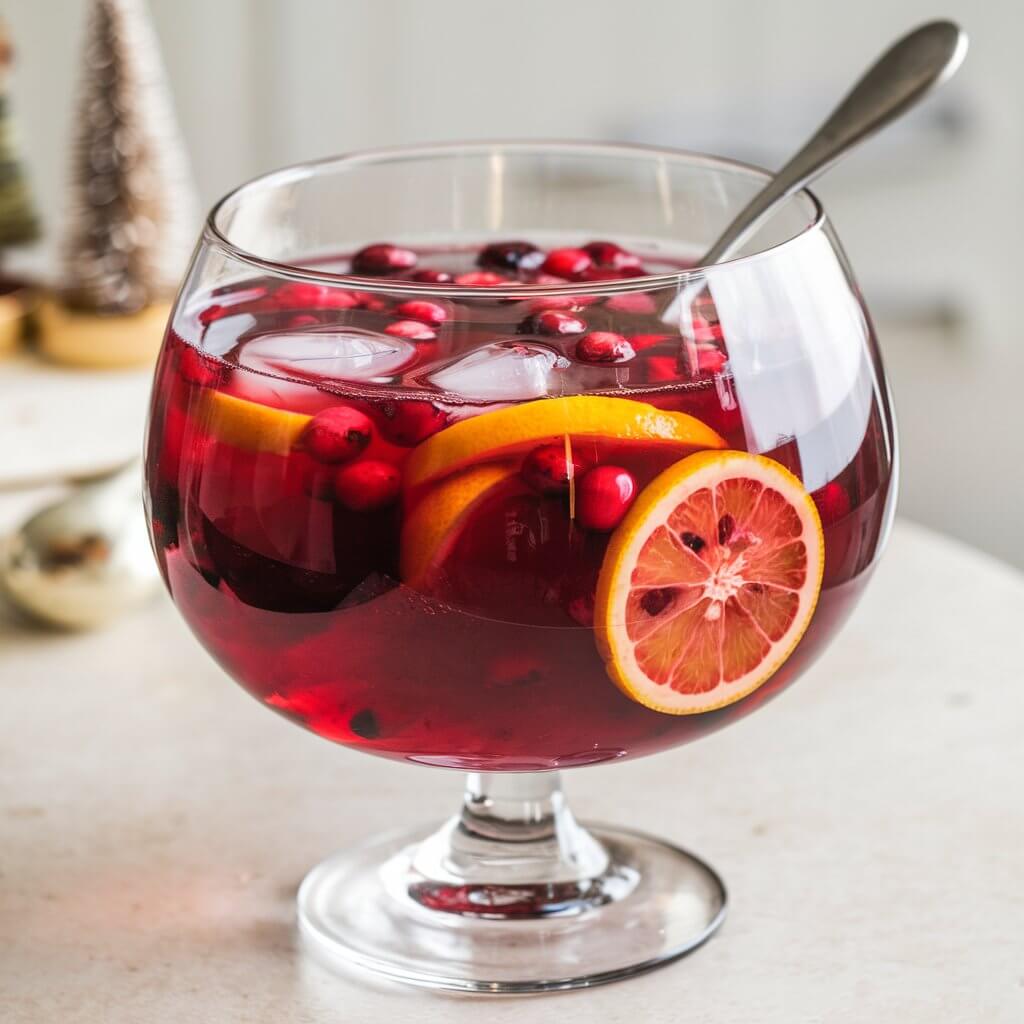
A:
(514, 429)
(709, 582)
(434, 524)
(249, 425)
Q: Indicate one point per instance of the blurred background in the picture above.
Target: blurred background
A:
(929, 211)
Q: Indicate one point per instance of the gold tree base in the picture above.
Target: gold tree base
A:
(98, 341)
(17, 305)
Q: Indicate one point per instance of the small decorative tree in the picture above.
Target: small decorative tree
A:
(132, 216)
(18, 221)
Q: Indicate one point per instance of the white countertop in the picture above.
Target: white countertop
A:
(155, 822)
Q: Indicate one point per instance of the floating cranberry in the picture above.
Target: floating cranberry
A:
(420, 309)
(567, 263)
(432, 276)
(301, 295)
(603, 497)
(367, 484)
(604, 347)
(480, 279)
(553, 323)
(383, 258)
(413, 330)
(608, 254)
(199, 369)
(212, 313)
(833, 502)
(510, 256)
(408, 423)
(337, 434)
(547, 470)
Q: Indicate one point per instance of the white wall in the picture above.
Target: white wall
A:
(931, 218)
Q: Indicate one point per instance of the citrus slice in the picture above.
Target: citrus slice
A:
(434, 524)
(709, 582)
(250, 425)
(514, 429)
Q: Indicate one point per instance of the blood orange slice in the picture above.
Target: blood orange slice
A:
(434, 523)
(709, 582)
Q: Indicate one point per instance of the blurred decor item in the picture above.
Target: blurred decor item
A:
(18, 221)
(83, 561)
(133, 213)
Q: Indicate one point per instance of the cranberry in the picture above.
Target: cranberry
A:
(299, 295)
(833, 502)
(604, 347)
(480, 279)
(553, 323)
(337, 434)
(632, 302)
(547, 470)
(603, 497)
(367, 484)
(408, 423)
(608, 254)
(510, 256)
(302, 320)
(199, 369)
(414, 330)
(383, 258)
(211, 313)
(420, 309)
(432, 276)
(568, 263)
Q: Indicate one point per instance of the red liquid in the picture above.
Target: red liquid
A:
(293, 585)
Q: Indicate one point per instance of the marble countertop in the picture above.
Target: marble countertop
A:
(155, 822)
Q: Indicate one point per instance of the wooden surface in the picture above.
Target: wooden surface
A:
(155, 822)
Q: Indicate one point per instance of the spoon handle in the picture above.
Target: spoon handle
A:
(903, 75)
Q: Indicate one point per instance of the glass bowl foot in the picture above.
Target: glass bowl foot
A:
(649, 904)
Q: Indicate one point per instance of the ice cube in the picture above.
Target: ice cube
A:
(328, 354)
(221, 336)
(503, 371)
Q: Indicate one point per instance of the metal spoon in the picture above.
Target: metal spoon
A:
(910, 69)
(907, 72)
